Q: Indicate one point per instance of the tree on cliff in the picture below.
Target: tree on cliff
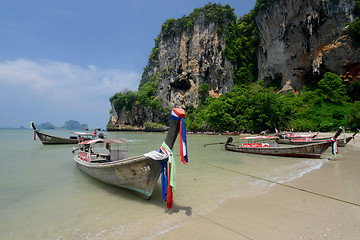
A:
(332, 87)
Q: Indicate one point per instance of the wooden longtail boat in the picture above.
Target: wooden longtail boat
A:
(302, 141)
(138, 174)
(51, 139)
(288, 135)
(313, 150)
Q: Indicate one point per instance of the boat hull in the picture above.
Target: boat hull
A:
(50, 139)
(306, 151)
(138, 174)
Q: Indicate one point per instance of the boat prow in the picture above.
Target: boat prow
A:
(47, 139)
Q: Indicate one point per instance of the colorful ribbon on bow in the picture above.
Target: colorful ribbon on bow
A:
(177, 115)
(168, 174)
(335, 149)
(170, 179)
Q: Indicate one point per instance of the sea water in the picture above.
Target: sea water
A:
(43, 195)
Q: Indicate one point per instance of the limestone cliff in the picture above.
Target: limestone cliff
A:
(187, 54)
(300, 40)
(187, 59)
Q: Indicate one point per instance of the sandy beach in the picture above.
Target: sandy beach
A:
(322, 204)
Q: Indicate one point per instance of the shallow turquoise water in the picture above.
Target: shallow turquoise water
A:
(43, 195)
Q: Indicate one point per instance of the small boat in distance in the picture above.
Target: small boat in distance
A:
(290, 135)
(51, 139)
(140, 173)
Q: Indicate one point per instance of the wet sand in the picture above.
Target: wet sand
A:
(322, 204)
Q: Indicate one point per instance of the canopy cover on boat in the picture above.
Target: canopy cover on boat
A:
(260, 137)
(84, 133)
(105, 140)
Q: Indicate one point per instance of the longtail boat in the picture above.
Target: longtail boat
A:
(302, 141)
(312, 150)
(289, 135)
(51, 139)
(140, 173)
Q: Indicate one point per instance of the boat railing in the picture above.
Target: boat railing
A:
(257, 140)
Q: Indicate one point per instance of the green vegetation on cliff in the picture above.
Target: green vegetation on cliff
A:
(145, 96)
(354, 30)
(212, 13)
(255, 107)
(252, 106)
(260, 4)
(241, 46)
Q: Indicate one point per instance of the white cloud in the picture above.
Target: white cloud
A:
(56, 91)
(64, 79)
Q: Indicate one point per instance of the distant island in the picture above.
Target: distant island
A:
(69, 125)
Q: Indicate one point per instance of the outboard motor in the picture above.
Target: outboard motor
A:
(229, 140)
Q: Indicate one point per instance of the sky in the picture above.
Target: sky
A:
(63, 60)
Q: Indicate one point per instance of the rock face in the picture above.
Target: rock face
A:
(300, 40)
(135, 119)
(188, 59)
(183, 60)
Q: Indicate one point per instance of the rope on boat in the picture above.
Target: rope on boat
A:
(285, 185)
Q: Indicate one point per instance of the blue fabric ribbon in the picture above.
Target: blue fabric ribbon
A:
(164, 177)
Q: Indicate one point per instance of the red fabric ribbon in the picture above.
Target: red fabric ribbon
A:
(169, 197)
(183, 158)
(179, 114)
